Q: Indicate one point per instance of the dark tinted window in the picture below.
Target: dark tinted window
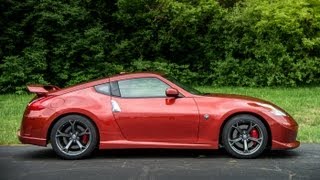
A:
(142, 87)
(115, 89)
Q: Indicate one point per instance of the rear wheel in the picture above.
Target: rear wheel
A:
(73, 137)
(245, 136)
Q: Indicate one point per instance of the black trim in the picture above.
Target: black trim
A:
(114, 88)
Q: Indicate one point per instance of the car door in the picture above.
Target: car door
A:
(144, 113)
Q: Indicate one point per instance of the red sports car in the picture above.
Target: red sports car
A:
(147, 110)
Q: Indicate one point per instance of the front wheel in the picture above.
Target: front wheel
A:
(73, 137)
(244, 136)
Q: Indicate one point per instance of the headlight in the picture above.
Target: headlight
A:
(272, 109)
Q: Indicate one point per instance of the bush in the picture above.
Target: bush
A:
(207, 42)
(270, 43)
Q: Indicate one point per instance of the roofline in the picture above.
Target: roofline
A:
(137, 72)
(100, 81)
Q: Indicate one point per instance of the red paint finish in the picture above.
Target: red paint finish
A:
(188, 121)
(158, 119)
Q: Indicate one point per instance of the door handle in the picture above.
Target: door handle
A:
(115, 106)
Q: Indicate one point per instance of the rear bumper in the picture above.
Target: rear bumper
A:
(31, 140)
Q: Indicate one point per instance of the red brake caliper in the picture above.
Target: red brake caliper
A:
(85, 139)
(254, 134)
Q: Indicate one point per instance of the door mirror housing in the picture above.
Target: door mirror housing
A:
(171, 92)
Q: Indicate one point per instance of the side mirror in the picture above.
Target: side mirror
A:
(171, 92)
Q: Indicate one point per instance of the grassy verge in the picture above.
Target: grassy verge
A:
(11, 111)
(302, 103)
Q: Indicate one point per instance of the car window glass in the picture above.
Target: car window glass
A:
(142, 87)
(103, 88)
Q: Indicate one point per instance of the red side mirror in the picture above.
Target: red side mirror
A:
(171, 92)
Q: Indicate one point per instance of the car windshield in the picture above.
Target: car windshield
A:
(184, 86)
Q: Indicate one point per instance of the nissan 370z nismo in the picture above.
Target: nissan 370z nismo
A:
(147, 110)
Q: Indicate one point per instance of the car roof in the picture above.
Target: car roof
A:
(105, 80)
(134, 75)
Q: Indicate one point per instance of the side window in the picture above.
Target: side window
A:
(103, 88)
(142, 87)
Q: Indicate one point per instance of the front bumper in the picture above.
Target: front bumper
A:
(284, 135)
(279, 145)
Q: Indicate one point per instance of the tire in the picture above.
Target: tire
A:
(73, 137)
(245, 136)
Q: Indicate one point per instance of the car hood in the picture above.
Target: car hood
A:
(250, 100)
(236, 96)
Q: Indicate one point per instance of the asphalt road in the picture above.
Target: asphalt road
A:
(31, 162)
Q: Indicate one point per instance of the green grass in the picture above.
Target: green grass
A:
(11, 112)
(302, 103)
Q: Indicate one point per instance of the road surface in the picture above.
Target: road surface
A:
(32, 162)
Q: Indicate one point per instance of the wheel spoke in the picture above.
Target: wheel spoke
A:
(73, 128)
(232, 141)
(86, 131)
(80, 145)
(252, 125)
(61, 134)
(237, 128)
(257, 140)
(245, 143)
(66, 148)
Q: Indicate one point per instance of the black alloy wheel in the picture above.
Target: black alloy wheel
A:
(73, 137)
(245, 136)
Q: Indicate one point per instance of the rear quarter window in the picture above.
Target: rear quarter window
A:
(103, 88)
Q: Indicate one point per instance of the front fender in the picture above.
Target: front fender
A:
(219, 112)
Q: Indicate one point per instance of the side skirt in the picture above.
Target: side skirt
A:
(124, 144)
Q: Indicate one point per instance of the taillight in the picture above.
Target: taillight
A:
(37, 104)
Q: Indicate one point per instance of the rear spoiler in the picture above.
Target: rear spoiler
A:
(41, 90)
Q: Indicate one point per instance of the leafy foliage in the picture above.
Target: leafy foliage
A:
(272, 43)
(210, 42)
